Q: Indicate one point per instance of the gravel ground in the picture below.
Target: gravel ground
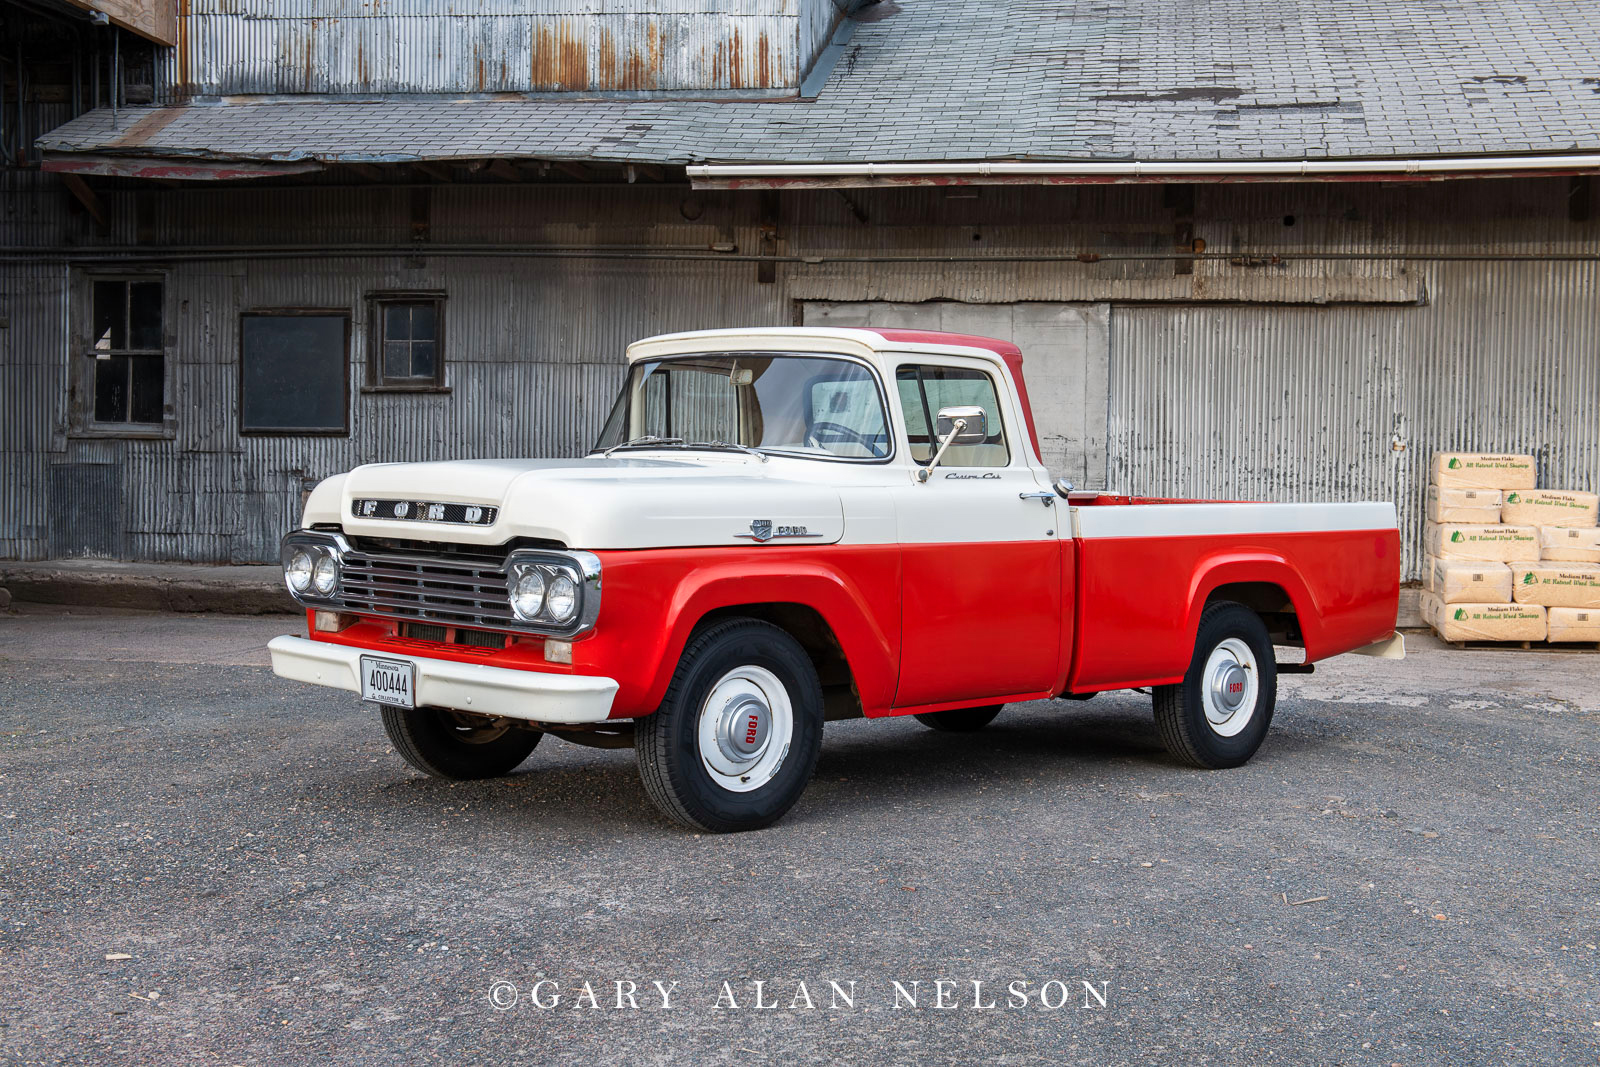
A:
(204, 864)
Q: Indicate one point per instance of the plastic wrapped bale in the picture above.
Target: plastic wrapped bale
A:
(1484, 470)
(1574, 624)
(1556, 585)
(1428, 605)
(1478, 507)
(1490, 622)
(1493, 544)
(1550, 507)
(1570, 543)
(1457, 581)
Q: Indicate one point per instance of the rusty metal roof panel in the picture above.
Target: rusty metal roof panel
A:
(344, 46)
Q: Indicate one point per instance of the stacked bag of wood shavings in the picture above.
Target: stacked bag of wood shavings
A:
(1505, 561)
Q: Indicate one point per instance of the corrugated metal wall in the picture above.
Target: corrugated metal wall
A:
(1347, 403)
(1227, 387)
(353, 46)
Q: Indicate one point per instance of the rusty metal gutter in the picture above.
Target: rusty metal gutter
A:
(1257, 258)
(173, 169)
(866, 175)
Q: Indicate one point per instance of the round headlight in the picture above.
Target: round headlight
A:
(298, 570)
(527, 596)
(325, 576)
(563, 602)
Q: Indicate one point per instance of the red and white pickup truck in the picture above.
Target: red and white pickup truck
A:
(782, 527)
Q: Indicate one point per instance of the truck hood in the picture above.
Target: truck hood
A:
(587, 503)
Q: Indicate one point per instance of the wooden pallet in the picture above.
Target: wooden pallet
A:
(1523, 646)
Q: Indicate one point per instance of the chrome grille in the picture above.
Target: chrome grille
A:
(453, 589)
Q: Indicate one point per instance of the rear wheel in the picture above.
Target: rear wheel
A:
(736, 739)
(960, 720)
(1218, 715)
(455, 745)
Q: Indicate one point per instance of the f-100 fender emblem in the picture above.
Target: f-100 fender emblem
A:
(763, 531)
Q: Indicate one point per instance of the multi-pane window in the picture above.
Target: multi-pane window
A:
(127, 345)
(408, 338)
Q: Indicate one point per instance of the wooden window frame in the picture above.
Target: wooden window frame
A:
(81, 371)
(377, 302)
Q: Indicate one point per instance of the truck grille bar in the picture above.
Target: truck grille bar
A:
(463, 591)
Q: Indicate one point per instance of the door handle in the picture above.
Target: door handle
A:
(1046, 498)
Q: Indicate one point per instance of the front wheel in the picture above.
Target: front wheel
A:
(1218, 715)
(736, 739)
(456, 745)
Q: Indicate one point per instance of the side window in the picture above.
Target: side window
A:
(407, 349)
(926, 389)
(127, 345)
(294, 372)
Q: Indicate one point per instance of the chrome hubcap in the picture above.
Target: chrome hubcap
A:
(744, 729)
(1229, 687)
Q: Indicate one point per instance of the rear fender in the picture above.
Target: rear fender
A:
(1233, 567)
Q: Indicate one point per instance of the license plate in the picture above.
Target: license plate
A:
(389, 681)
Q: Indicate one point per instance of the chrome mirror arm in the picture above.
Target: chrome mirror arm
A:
(924, 473)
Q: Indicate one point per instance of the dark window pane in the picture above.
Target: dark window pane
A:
(110, 315)
(422, 359)
(423, 323)
(111, 389)
(396, 360)
(397, 322)
(144, 315)
(146, 400)
(293, 372)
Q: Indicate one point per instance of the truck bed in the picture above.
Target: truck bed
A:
(1144, 569)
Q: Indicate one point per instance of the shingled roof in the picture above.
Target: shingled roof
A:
(945, 80)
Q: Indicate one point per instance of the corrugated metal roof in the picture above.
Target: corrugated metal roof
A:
(1001, 79)
(287, 49)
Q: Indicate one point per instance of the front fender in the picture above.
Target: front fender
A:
(653, 599)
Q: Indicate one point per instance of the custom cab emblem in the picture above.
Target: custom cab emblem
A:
(763, 531)
(425, 511)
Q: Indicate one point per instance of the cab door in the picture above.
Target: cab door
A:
(981, 600)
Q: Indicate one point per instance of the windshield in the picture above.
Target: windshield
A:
(814, 405)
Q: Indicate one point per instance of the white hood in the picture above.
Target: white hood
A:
(589, 503)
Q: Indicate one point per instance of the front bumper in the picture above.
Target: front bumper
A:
(442, 683)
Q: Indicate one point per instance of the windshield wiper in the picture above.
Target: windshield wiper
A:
(756, 452)
(649, 440)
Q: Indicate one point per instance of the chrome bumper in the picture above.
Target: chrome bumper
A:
(443, 683)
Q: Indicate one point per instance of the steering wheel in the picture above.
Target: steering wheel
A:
(870, 443)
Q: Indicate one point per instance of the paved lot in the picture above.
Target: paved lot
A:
(287, 891)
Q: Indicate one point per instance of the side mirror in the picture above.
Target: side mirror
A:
(955, 426)
(975, 432)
